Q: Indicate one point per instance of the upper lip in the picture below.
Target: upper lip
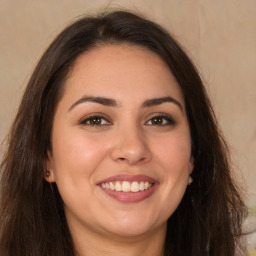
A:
(128, 177)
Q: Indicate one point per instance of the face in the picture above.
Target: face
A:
(121, 147)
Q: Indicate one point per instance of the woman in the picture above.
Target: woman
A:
(115, 150)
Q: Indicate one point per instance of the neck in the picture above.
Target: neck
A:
(91, 244)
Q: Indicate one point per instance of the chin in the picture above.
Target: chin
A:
(130, 227)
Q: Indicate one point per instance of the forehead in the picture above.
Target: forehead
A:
(121, 69)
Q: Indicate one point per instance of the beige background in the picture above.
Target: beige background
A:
(220, 36)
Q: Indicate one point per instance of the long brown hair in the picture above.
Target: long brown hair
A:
(32, 221)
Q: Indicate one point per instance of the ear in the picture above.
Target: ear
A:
(190, 170)
(49, 173)
(191, 165)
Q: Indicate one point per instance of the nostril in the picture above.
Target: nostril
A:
(142, 159)
(132, 154)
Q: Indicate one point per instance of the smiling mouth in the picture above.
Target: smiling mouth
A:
(127, 186)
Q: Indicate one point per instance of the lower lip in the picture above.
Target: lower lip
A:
(130, 197)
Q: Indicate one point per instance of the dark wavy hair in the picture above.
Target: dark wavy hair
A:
(208, 220)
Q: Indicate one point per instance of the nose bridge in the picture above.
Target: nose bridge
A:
(131, 144)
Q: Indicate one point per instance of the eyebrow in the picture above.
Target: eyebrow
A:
(100, 100)
(113, 103)
(159, 101)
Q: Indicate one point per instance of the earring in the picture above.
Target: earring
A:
(190, 180)
(47, 174)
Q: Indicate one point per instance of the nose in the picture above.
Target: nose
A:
(131, 146)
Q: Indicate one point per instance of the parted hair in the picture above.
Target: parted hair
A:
(208, 220)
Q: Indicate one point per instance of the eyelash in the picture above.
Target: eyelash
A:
(96, 120)
(162, 118)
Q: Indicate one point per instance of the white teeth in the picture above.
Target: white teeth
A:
(135, 186)
(126, 186)
(118, 186)
(142, 186)
(112, 186)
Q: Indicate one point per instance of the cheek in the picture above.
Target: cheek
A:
(76, 160)
(77, 155)
(174, 158)
(174, 152)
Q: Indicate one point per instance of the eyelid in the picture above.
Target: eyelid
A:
(170, 120)
(168, 117)
(95, 115)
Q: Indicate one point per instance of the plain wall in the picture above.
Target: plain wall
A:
(220, 36)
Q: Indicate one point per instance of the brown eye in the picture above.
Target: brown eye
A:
(161, 121)
(157, 120)
(95, 120)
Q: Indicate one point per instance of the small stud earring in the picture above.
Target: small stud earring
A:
(47, 174)
(190, 180)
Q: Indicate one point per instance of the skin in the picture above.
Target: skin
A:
(126, 140)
